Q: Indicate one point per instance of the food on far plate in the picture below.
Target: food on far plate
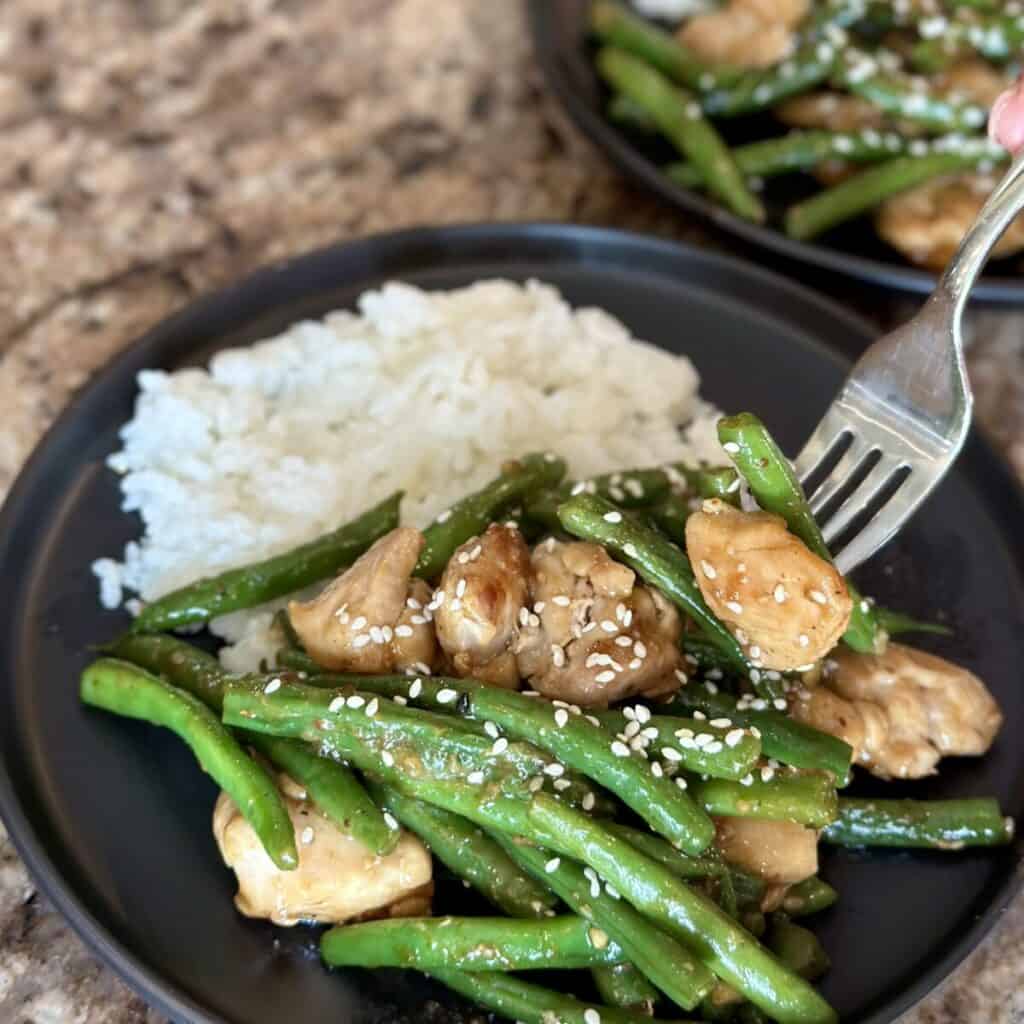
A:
(884, 104)
(596, 662)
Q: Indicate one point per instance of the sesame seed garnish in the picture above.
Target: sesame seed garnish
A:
(747, 780)
(336, 705)
(609, 627)
(273, 686)
(803, 640)
(714, 747)
(619, 749)
(491, 729)
(593, 720)
(415, 689)
(640, 649)
(721, 723)
(536, 784)
(444, 516)
(767, 773)
(372, 708)
(552, 865)
(656, 770)
(627, 619)
(500, 746)
(361, 641)
(475, 778)
(524, 616)
(779, 593)
(355, 702)
(623, 641)
(779, 704)
(388, 758)
(681, 782)
(561, 784)
(307, 836)
(734, 738)
(632, 728)
(359, 623)
(561, 600)
(735, 607)
(612, 517)
(561, 718)
(403, 631)
(588, 801)
(389, 820)
(708, 569)
(446, 696)
(629, 550)
(681, 676)
(671, 754)
(731, 447)
(555, 770)
(604, 677)
(755, 651)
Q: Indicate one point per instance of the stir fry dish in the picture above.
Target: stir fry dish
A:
(625, 710)
(883, 102)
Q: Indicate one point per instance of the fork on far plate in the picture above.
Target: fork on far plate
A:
(903, 413)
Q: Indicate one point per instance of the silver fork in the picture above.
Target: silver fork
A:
(904, 412)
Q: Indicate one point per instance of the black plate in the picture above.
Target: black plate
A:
(113, 818)
(559, 34)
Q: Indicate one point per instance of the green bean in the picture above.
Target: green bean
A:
(630, 115)
(810, 896)
(929, 824)
(521, 1001)
(711, 481)
(576, 740)
(807, 798)
(470, 516)
(731, 753)
(895, 623)
(567, 942)
(617, 25)
(670, 966)
(298, 661)
(759, 90)
(800, 150)
(798, 948)
(774, 485)
(866, 190)
(997, 37)
(679, 118)
(624, 986)
(466, 851)
(718, 941)
(254, 584)
(669, 517)
(658, 561)
(123, 689)
(896, 95)
(331, 786)
(782, 738)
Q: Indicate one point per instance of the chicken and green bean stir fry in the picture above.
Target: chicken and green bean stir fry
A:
(884, 102)
(624, 710)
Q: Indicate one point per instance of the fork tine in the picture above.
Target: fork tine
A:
(853, 458)
(865, 495)
(914, 490)
(827, 435)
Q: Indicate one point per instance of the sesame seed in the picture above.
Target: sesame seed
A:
(500, 746)
(555, 770)
(536, 784)
(681, 676)
(444, 516)
(355, 702)
(460, 588)
(446, 696)
(818, 597)
(803, 640)
(463, 557)
(361, 641)
(612, 517)
(747, 780)
(411, 602)
(671, 754)
(561, 718)
(403, 631)
(478, 551)
(640, 649)
(416, 620)
(359, 623)
(627, 619)
(475, 778)
(588, 801)
(415, 689)
(779, 704)
(681, 782)
(593, 720)
(623, 641)
(389, 820)
(715, 747)
(656, 770)
(619, 749)
(632, 728)
(735, 607)
(734, 738)
(731, 447)
(779, 593)
(273, 686)
(721, 723)
(552, 865)
(388, 759)
(307, 836)
(612, 891)
(755, 651)
(643, 714)
(561, 600)
(604, 677)
(372, 708)
(557, 656)
(629, 550)
(336, 705)
(708, 569)
(609, 627)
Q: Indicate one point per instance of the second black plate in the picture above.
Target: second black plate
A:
(560, 39)
(113, 817)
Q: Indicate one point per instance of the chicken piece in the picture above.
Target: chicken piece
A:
(485, 587)
(745, 33)
(780, 852)
(786, 606)
(901, 711)
(927, 223)
(372, 618)
(338, 878)
(831, 111)
(972, 80)
(595, 635)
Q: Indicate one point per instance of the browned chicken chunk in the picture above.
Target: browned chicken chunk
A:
(484, 588)
(901, 711)
(832, 111)
(786, 606)
(338, 878)
(373, 617)
(745, 33)
(593, 635)
(780, 852)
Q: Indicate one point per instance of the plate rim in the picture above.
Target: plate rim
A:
(143, 978)
(617, 149)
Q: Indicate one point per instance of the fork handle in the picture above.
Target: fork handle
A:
(1000, 208)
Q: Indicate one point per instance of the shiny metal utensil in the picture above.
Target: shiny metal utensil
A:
(902, 416)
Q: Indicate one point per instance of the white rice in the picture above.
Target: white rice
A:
(428, 392)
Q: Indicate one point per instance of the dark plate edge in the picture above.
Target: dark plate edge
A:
(617, 148)
(171, 999)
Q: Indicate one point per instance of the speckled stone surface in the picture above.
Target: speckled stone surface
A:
(155, 149)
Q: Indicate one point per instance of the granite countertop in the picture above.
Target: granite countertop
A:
(156, 150)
